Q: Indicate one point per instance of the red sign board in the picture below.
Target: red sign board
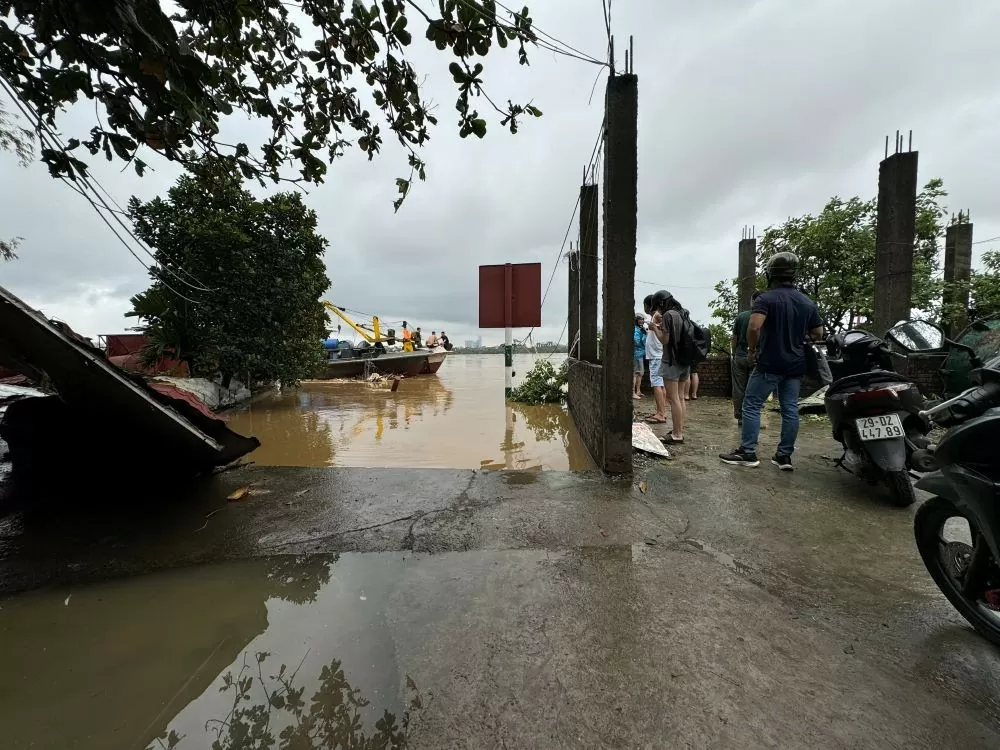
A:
(510, 295)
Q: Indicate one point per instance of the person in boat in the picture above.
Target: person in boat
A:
(417, 336)
(443, 341)
(407, 338)
(432, 340)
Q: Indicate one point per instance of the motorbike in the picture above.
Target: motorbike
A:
(874, 413)
(958, 530)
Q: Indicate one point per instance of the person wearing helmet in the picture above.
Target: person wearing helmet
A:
(780, 320)
(668, 318)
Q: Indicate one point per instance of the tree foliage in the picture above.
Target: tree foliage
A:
(722, 336)
(165, 75)
(244, 298)
(837, 258)
(985, 288)
(17, 139)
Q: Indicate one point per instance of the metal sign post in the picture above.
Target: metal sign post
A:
(510, 296)
(508, 340)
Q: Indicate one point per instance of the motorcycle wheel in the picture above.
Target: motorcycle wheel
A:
(900, 488)
(946, 562)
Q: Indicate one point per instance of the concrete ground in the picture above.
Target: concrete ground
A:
(697, 605)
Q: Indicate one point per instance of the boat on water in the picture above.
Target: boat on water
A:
(351, 362)
(376, 353)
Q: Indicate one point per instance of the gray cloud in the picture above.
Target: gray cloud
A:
(749, 112)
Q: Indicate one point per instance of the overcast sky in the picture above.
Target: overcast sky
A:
(749, 112)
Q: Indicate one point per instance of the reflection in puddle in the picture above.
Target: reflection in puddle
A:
(456, 419)
(276, 653)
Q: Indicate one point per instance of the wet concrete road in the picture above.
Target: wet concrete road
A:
(719, 608)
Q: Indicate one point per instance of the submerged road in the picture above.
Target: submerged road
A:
(696, 606)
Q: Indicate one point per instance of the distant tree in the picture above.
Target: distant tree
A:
(164, 75)
(985, 287)
(837, 257)
(18, 140)
(243, 299)
(722, 336)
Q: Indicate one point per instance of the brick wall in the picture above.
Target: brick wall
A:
(584, 399)
(922, 369)
(714, 378)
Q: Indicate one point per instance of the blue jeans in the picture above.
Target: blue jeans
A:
(760, 386)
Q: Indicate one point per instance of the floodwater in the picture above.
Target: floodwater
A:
(456, 419)
(295, 649)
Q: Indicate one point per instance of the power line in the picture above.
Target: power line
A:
(567, 49)
(555, 266)
(559, 340)
(594, 155)
(674, 286)
(991, 239)
(558, 41)
(50, 139)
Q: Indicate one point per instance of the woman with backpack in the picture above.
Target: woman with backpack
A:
(638, 355)
(673, 327)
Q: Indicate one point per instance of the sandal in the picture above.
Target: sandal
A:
(654, 420)
(671, 440)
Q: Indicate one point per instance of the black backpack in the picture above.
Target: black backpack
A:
(694, 343)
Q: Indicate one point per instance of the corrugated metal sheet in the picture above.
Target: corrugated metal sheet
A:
(86, 381)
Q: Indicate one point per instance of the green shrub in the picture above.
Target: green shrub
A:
(544, 384)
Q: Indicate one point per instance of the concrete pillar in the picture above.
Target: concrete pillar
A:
(620, 224)
(957, 271)
(574, 303)
(895, 230)
(588, 273)
(747, 277)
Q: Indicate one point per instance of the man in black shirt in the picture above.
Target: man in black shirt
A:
(780, 320)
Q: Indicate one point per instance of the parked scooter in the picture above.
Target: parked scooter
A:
(965, 561)
(874, 413)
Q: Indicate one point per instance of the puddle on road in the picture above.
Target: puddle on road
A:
(455, 420)
(292, 648)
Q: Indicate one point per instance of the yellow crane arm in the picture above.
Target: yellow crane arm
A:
(372, 337)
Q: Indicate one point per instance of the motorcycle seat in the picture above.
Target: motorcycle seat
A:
(866, 379)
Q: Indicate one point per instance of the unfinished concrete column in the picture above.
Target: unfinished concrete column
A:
(895, 230)
(747, 276)
(957, 272)
(588, 273)
(620, 224)
(574, 302)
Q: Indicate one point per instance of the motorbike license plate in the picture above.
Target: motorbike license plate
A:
(882, 427)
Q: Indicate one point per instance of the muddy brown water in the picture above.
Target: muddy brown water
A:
(291, 650)
(300, 651)
(455, 420)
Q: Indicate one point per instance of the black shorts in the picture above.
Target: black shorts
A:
(694, 368)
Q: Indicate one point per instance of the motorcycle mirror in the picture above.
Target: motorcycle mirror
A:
(917, 336)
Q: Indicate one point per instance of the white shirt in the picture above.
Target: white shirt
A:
(654, 347)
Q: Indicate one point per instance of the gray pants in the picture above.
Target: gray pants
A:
(740, 368)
